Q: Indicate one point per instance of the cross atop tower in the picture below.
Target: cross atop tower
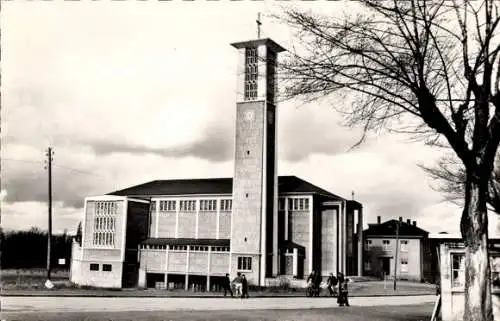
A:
(259, 23)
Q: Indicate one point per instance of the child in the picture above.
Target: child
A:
(332, 282)
(237, 284)
(343, 293)
(244, 287)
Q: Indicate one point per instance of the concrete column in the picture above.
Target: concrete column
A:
(186, 285)
(209, 259)
(177, 205)
(295, 266)
(344, 239)
(286, 218)
(311, 232)
(217, 218)
(360, 241)
(197, 214)
(142, 278)
(263, 214)
(157, 214)
(166, 266)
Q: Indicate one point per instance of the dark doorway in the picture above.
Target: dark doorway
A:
(154, 280)
(130, 275)
(385, 265)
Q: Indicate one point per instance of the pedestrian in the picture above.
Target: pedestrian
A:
(244, 287)
(332, 283)
(317, 283)
(227, 285)
(237, 284)
(343, 298)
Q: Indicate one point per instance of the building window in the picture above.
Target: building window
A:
(404, 265)
(168, 206)
(220, 248)
(245, 263)
(495, 272)
(299, 203)
(251, 73)
(226, 205)
(368, 266)
(94, 267)
(106, 267)
(178, 248)
(404, 246)
(197, 248)
(188, 205)
(152, 206)
(368, 243)
(208, 205)
(271, 76)
(104, 224)
(386, 244)
(457, 270)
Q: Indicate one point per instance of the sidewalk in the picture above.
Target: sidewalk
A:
(151, 293)
(74, 304)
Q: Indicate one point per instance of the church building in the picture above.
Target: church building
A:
(192, 232)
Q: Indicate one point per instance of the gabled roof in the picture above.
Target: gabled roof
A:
(208, 186)
(388, 228)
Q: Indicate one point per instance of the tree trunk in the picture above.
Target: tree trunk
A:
(474, 227)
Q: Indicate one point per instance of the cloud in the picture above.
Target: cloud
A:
(125, 97)
(215, 145)
(312, 129)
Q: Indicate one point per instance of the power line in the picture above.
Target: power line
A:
(53, 166)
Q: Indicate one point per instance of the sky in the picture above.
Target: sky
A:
(128, 92)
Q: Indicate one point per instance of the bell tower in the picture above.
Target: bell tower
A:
(254, 240)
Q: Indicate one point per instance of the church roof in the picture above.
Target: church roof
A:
(389, 229)
(207, 186)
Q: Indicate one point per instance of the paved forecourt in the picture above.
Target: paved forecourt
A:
(95, 304)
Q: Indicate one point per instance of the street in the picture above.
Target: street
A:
(77, 304)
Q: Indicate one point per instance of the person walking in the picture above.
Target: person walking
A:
(332, 283)
(237, 284)
(343, 298)
(227, 285)
(317, 283)
(244, 287)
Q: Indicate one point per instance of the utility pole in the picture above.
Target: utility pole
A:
(396, 255)
(48, 166)
(258, 25)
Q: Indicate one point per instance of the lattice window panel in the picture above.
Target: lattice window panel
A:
(104, 233)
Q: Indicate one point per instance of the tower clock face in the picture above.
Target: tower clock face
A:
(249, 115)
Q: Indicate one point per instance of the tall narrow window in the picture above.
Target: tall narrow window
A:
(105, 224)
(245, 263)
(168, 206)
(251, 73)
(457, 270)
(208, 205)
(271, 76)
(188, 205)
(226, 205)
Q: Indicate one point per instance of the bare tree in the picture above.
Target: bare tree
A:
(428, 68)
(450, 177)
